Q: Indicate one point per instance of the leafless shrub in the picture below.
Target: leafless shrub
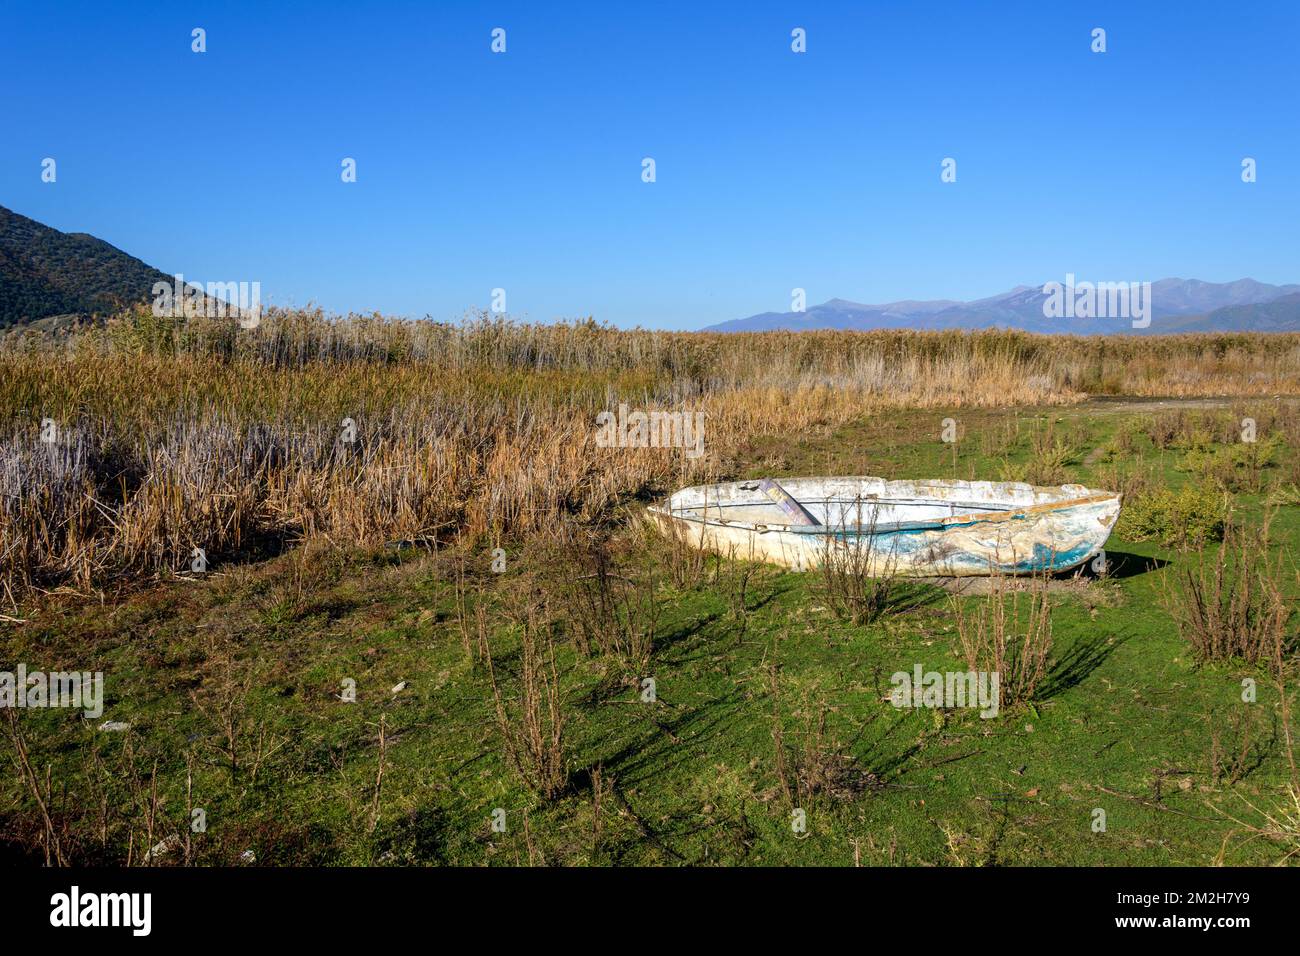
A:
(1051, 450)
(379, 775)
(1229, 605)
(531, 725)
(1235, 745)
(858, 568)
(602, 785)
(1131, 482)
(810, 763)
(472, 624)
(738, 596)
(242, 743)
(612, 612)
(687, 563)
(999, 440)
(993, 639)
(41, 789)
(1277, 822)
(1164, 428)
(103, 811)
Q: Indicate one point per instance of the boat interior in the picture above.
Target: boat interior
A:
(833, 504)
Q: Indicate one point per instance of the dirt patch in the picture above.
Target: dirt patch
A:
(1121, 404)
(978, 586)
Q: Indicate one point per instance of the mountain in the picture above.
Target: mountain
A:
(1176, 305)
(45, 272)
(1279, 315)
(837, 314)
(48, 277)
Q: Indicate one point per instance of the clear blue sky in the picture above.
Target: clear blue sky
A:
(775, 170)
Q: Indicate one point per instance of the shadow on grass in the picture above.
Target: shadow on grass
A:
(1121, 564)
(419, 838)
(688, 834)
(661, 742)
(913, 595)
(884, 756)
(1084, 656)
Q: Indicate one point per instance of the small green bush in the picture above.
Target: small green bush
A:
(1235, 468)
(1187, 517)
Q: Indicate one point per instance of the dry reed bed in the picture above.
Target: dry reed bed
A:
(174, 436)
(889, 361)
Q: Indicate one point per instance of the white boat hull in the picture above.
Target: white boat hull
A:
(936, 528)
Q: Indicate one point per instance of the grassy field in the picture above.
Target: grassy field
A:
(501, 714)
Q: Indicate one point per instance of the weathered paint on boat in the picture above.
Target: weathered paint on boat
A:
(929, 528)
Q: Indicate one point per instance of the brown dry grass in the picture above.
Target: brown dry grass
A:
(174, 435)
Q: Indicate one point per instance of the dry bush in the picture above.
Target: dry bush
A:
(993, 639)
(40, 787)
(108, 807)
(1279, 824)
(1229, 605)
(1123, 445)
(742, 573)
(531, 724)
(613, 609)
(1163, 428)
(1286, 487)
(240, 742)
(810, 763)
(1235, 745)
(1009, 470)
(1189, 428)
(1001, 439)
(1051, 452)
(1284, 494)
(473, 625)
(1237, 467)
(858, 583)
(1130, 482)
(687, 563)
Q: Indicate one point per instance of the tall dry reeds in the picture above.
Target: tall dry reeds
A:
(995, 367)
(171, 435)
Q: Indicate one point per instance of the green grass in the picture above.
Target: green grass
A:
(1124, 723)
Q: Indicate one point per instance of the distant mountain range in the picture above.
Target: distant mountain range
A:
(47, 274)
(48, 278)
(1176, 305)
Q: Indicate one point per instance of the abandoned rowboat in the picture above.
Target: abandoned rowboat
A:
(910, 528)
